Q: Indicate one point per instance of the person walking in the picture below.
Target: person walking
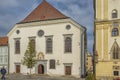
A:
(3, 72)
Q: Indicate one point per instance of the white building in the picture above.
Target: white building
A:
(4, 52)
(59, 43)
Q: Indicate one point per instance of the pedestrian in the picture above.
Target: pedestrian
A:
(3, 72)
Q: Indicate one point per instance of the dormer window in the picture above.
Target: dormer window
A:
(114, 13)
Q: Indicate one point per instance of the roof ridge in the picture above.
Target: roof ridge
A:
(44, 11)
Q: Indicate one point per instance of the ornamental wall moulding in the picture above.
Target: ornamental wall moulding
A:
(40, 56)
(99, 27)
(105, 26)
(116, 67)
(114, 25)
(102, 22)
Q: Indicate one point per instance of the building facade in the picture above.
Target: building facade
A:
(89, 63)
(4, 53)
(107, 38)
(58, 41)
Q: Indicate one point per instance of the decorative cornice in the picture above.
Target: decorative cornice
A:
(106, 21)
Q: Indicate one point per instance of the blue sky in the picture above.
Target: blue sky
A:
(13, 11)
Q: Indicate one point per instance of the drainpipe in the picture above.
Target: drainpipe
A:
(94, 46)
(83, 55)
(8, 58)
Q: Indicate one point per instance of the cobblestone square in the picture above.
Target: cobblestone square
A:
(39, 77)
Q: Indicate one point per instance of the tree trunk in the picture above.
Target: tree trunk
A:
(29, 75)
(30, 71)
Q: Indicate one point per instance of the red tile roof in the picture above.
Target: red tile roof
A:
(44, 11)
(3, 41)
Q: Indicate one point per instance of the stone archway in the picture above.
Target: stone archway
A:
(41, 67)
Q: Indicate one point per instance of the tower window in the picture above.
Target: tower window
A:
(115, 32)
(116, 73)
(116, 53)
(114, 13)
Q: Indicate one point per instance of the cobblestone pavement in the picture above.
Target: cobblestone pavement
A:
(38, 77)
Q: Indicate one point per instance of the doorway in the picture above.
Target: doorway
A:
(67, 70)
(40, 69)
(17, 68)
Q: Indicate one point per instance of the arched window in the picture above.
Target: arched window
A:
(114, 13)
(33, 43)
(116, 53)
(17, 47)
(68, 44)
(49, 45)
(115, 32)
(52, 64)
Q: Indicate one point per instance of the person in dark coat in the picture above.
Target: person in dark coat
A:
(3, 72)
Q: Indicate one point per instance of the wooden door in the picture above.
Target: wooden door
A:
(67, 70)
(40, 69)
(17, 68)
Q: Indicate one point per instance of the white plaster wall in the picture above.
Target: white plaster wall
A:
(57, 30)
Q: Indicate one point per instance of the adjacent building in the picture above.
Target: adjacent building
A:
(107, 38)
(89, 62)
(4, 53)
(58, 41)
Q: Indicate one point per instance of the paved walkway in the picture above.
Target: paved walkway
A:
(38, 77)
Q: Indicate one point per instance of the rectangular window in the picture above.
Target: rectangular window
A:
(1, 59)
(0, 50)
(116, 73)
(6, 59)
(52, 64)
(4, 50)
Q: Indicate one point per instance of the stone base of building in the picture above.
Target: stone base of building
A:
(107, 78)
